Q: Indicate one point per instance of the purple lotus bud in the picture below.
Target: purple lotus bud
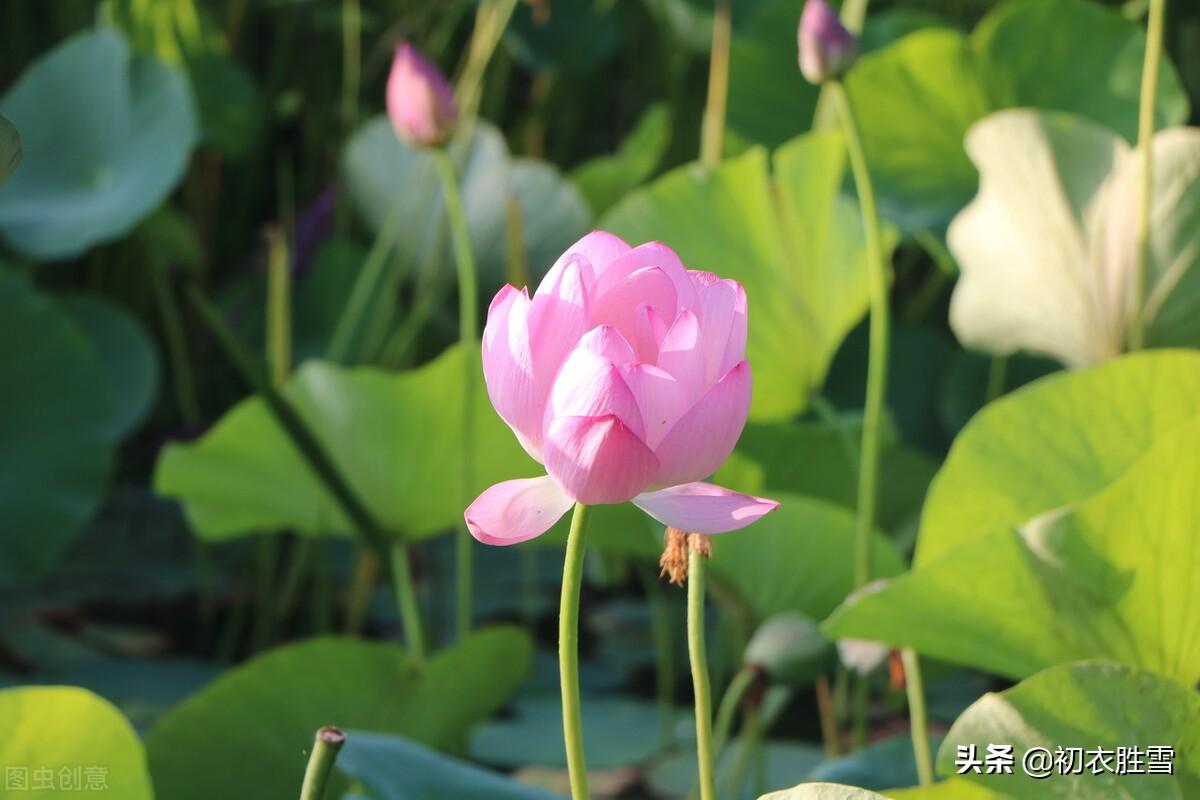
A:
(419, 100)
(827, 49)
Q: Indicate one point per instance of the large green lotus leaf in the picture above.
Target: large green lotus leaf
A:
(1087, 705)
(396, 437)
(952, 789)
(1110, 577)
(69, 742)
(58, 427)
(916, 99)
(1048, 248)
(791, 239)
(258, 721)
(877, 766)
(386, 176)
(394, 768)
(10, 148)
(110, 147)
(1053, 443)
(797, 558)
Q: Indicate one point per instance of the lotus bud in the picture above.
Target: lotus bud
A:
(827, 49)
(790, 648)
(419, 101)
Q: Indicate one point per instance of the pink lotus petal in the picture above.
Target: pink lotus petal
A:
(704, 437)
(659, 396)
(600, 248)
(618, 306)
(704, 507)
(650, 254)
(722, 327)
(558, 317)
(598, 459)
(515, 511)
(589, 385)
(682, 354)
(508, 368)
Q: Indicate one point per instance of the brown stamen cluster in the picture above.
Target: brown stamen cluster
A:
(674, 561)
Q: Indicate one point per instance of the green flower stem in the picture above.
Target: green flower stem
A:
(1146, 107)
(878, 339)
(326, 746)
(828, 717)
(876, 364)
(700, 683)
(916, 714)
(302, 437)
(712, 127)
(468, 334)
(568, 653)
(406, 601)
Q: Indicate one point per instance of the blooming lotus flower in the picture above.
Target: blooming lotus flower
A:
(419, 101)
(827, 49)
(625, 376)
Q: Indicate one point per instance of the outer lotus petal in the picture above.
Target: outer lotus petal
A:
(508, 368)
(702, 278)
(619, 305)
(682, 354)
(650, 254)
(600, 248)
(598, 459)
(704, 507)
(722, 326)
(607, 341)
(515, 511)
(589, 385)
(704, 437)
(659, 396)
(558, 317)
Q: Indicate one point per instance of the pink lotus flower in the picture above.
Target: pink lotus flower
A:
(419, 101)
(827, 49)
(625, 376)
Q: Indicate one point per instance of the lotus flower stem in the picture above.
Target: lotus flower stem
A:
(878, 339)
(177, 350)
(468, 334)
(326, 746)
(568, 653)
(697, 561)
(406, 601)
(1146, 107)
(877, 357)
(915, 689)
(712, 128)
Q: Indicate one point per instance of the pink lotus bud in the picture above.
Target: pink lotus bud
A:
(827, 49)
(625, 376)
(419, 101)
